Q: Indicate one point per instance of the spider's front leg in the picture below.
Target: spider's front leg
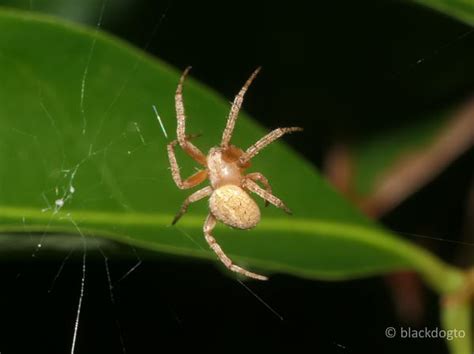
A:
(255, 188)
(234, 110)
(183, 139)
(209, 225)
(191, 181)
(263, 142)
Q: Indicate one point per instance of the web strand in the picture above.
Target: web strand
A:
(83, 284)
(112, 299)
(86, 69)
(58, 273)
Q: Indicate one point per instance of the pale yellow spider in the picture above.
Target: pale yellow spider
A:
(225, 167)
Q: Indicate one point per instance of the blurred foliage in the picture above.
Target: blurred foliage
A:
(462, 10)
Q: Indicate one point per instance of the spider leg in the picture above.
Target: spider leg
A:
(263, 142)
(183, 140)
(209, 225)
(191, 181)
(258, 177)
(198, 195)
(254, 187)
(234, 110)
(172, 154)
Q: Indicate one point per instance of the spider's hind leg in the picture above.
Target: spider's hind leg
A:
(209, 225)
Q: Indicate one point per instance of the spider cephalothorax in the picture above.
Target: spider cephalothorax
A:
(225, 166)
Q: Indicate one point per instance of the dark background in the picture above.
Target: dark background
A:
(343, 70)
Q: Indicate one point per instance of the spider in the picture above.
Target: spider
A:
(225, 167)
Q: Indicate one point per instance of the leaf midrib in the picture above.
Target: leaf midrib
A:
(429, 266)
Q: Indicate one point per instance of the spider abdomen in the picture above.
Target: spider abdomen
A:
(231, 205)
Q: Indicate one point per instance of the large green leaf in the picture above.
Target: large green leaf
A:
(462, 10)
(100, 168)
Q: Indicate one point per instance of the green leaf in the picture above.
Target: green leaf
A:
(100, 168)
(85, 11)
(462, 10)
